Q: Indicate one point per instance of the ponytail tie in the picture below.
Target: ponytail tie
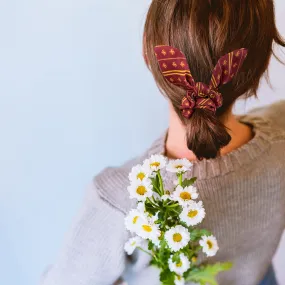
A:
(174, 67)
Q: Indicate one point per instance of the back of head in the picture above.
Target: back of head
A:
(204, 31)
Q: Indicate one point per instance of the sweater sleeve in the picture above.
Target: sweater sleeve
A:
(93, 253)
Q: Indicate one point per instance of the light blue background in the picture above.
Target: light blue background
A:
(75, 97)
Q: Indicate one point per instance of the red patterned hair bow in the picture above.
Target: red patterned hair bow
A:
(175, 69)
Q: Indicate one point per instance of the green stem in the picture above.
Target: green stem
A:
(152, 203)
(153, 200)
(155, 257)
(164, 219)
(140, 248)
(156, 190)
(172, 206)
(161, 265)
(160, 183)
(175, 211)
(180, 177)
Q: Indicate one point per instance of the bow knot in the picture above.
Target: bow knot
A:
(200, 96)
(175, 69)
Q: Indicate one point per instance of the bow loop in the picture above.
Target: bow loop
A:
(174, 66)
(227, 67)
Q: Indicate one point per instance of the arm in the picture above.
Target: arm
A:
(93, 252)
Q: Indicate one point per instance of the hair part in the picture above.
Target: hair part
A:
(204, 31)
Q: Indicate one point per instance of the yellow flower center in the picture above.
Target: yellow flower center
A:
(155, 164)
(210, 244)
(177, 237)
(178, 166)
(192, 213)
(141, 176)
(179, 277)
(133, 243)
(167, 192)
(135, 219)
(141, 190)
(194, 259)
(147, 228)
(179, 264)
(185, 195)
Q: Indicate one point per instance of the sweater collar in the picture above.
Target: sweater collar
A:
(264, 136)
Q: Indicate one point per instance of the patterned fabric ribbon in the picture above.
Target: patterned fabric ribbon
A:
(175, 69)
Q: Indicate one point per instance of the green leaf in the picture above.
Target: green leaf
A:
(185, 226)
(160, 215)
(167, 277)
(176, 257)
(164, 253)
(151, 207)
(189, 182)
(150, 245)
(190, 252)
(207, 274)
(160, 183)
(155, 184)
(198, 233)
(153, 262)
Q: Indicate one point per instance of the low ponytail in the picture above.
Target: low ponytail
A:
(206, 134)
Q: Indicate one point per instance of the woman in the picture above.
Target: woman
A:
(239, 161)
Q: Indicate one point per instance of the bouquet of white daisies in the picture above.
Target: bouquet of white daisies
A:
(163, 223)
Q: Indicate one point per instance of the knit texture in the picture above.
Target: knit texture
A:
(243, 193)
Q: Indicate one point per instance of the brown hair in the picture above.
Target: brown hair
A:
(204, 31)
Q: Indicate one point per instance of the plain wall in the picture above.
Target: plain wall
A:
(75, 97)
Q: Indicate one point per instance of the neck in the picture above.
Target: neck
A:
(176, 146)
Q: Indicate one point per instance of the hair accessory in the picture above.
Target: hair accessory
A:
(174, 67)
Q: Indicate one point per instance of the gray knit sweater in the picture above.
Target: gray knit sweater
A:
(244, 196)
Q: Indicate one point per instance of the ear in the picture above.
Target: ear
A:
(173, 65)
(227, 67)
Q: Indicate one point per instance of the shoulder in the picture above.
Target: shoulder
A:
(111, 183)
(269, 122)
(274, 113)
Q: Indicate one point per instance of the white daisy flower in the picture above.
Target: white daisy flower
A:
(133, 220)
(155, 162)
(179, 165)
(182, 266)
(179, 280)
(184, 196)
(139, 172)
(156, 241)
(193, 214)
(132, 244)
(140, 190)
(177, 237)
(210, 245)
(141, 207)
(149, 230)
